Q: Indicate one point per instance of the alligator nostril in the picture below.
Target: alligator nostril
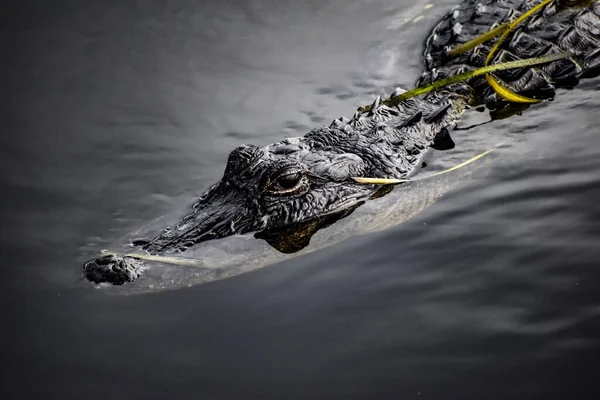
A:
(112, 269)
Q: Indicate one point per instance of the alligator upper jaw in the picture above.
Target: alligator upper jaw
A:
(221, 216)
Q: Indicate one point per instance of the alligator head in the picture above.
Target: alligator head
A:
(279, 185)
(305, 179)
(286, 191)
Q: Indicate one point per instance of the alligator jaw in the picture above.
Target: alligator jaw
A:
(223, 211)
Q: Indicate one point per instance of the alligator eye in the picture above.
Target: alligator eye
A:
(289, 181)
(286, 182)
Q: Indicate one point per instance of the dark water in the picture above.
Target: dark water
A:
(116, 112)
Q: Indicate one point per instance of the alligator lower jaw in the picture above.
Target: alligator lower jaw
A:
(112, 269)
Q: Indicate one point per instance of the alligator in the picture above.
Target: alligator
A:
(312, 178)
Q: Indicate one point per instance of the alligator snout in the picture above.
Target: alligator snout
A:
(113, 269)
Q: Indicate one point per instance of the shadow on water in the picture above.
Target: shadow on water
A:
(117, 113)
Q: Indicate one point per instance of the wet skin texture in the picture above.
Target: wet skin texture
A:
(298, 180)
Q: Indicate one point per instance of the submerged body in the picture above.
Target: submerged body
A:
(308, 180)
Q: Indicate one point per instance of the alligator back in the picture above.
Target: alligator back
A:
(563, 25)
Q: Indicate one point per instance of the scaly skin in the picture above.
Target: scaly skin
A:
(300, 179)
(558, 27)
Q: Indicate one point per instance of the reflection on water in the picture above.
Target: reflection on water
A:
(119, 113)
(295, 237)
